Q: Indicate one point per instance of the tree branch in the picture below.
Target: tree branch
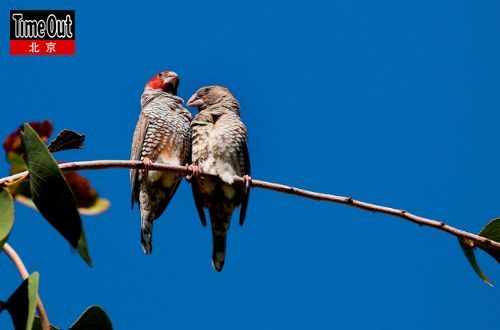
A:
(349, 201)
(12, 254)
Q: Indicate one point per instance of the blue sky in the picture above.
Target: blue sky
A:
(392, 102)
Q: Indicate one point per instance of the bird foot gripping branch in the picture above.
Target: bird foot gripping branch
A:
(147, 165)
(196, 170)
(248, 182)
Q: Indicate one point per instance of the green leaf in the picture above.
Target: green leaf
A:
(51, 193)
(22, 303)
(67, 140)
(492, 232)
(88, 200)
(37, 325)
(93, 318)
(6, 216)
(467, 247)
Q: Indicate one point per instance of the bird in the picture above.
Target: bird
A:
(162, 135)
(219, 146)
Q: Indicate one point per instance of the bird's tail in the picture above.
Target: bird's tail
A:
(147, 234)
(218, 250)
(220, 225)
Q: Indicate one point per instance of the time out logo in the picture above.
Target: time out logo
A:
(42, 32)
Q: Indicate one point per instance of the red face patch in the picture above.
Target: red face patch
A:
(156, 83)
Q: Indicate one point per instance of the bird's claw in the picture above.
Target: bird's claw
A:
(147, 166)
(248, 182)
(195, 171)
(190, 167)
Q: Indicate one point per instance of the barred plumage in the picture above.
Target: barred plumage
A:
(219, 146)
(162, 135)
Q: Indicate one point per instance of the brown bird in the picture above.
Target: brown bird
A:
(162, 135)
(219, 146)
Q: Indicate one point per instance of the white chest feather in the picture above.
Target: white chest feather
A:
(221, 157)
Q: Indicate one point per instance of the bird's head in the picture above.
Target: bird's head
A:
(167, 81)
(211, 95)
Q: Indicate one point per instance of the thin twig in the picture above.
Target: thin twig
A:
(349, 201)
(12, 254)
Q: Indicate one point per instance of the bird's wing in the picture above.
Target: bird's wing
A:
(199, 151)
(234, 134)
(201, 124)
(136, 152)
(198, 202)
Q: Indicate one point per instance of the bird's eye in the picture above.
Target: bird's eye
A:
(159, 74)
(206, 90)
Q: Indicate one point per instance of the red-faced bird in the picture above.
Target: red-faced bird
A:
(219, 146)
(162, 135)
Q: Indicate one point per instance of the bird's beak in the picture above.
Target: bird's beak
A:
(195, 101)
(171, 78)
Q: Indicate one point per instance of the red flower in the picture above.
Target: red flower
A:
(13, 141)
